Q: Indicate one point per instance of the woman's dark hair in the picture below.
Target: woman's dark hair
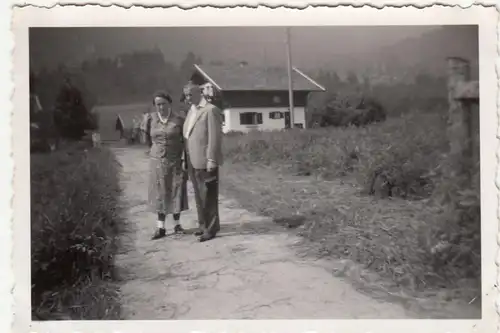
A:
(163, 95)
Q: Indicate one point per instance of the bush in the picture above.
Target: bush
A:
(393, 158)
(71, 114)
(321, 152)
(74, 222)
(44, 134)
(346, 108)
(458, 232)
(400, 157)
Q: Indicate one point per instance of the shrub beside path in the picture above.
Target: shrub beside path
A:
(248, 272)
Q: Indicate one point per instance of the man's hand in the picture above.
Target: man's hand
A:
(211, 166)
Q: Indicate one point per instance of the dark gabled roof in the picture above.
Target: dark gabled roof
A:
(252, 78)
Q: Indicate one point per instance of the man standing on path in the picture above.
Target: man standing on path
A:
(203, 136)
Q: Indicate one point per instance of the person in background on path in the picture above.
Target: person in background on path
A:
(168, 180)
(203, 137)
(136, 130)
(143, 127)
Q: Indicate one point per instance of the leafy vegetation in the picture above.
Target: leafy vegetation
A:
(75, 218)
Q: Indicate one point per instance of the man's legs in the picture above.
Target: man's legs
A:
(211, 207)
(206, 190)
(193, 175)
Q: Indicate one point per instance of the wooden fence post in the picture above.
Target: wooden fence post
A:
(461, 92)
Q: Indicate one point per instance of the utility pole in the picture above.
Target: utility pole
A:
(290, 82)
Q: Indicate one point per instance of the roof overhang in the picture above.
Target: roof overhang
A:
(218, 87)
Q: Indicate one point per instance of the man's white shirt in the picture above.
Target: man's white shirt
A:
(193, 112)
(190, 120)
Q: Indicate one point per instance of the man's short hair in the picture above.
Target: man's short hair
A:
(188, 87)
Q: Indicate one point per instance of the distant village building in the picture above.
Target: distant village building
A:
(118, 122)
(128, 125)
(256, 98)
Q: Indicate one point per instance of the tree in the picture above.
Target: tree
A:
(72, 116)
(352, 78)
(186, 67)
(334, 79)
(424, 79)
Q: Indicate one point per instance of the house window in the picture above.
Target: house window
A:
(276, 115)
(250, 118)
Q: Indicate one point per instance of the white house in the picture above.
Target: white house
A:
(255, 98)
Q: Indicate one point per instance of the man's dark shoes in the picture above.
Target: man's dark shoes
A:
(198, 233)
(178, 229)
(159, 233)
(206, 237)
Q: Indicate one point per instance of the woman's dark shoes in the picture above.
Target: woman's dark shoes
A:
(206, 237)
(178, 229)
(159, 233)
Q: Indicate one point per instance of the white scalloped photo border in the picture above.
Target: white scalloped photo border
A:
(15, 276)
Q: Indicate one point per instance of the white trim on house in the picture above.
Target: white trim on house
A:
(232, 119)
(202, 72)
(309, 79)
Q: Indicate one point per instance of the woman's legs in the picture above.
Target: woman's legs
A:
(161, 220)
(160, 227)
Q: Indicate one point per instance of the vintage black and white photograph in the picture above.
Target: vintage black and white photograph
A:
(280, 171)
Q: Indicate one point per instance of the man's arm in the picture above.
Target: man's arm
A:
(214, 136)
(149, 140)
(183, 142)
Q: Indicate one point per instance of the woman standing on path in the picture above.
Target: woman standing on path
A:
(168, 180)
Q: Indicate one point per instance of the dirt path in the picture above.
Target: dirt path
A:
(248, 272)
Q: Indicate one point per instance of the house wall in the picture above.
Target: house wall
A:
(262, 101)
(232, 119)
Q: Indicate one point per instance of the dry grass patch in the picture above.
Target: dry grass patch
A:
(391, 238)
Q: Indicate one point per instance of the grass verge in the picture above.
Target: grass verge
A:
(75, 220)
